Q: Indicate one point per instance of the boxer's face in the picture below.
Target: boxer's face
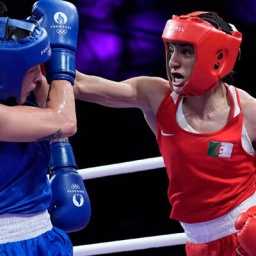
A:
(182, 59)
(30, 81)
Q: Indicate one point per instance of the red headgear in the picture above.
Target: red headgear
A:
(216, 51)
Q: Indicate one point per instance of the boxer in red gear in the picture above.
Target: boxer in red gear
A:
(205, 128)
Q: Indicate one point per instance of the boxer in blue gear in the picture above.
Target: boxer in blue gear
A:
(32, 113)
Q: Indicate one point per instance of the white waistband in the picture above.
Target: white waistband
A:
(18, 227)
(204, 232)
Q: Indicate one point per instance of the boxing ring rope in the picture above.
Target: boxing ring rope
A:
(129, 244)
(121, 168)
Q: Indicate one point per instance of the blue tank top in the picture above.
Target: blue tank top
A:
(24, 186)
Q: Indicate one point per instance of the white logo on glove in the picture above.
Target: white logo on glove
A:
(78, 200)
(60, 18)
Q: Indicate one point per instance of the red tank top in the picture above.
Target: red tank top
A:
(209, 173)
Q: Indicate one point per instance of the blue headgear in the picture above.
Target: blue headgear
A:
(19, 55)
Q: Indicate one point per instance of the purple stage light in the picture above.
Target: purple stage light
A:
(119, 38)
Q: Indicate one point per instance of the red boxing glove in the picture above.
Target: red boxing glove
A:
(246, 226)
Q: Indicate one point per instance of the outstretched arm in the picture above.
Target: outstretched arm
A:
(142, 92)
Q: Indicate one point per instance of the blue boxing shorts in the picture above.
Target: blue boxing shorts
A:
(32, 235)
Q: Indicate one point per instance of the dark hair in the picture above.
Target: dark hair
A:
(218, 22)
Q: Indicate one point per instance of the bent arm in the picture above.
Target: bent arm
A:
(26, 123)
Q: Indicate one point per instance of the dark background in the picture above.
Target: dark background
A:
(119, 39)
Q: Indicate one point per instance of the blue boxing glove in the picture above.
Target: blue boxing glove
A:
(60, 19)
(70, 209)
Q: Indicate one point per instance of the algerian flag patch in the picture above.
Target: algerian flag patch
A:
(220, 149)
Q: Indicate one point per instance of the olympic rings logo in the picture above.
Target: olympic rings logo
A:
(75, 186)
(61, 32)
